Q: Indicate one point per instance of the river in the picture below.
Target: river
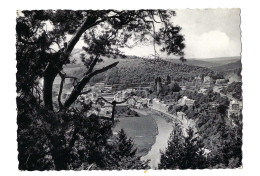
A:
(164, 130)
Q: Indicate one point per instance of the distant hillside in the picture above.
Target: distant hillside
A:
(195, 62)
(144, 70)
(228, 67)
(222, 60)
(207, 62)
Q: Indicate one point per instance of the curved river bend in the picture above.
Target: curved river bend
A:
(164, 130)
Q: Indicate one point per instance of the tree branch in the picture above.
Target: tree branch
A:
(86, 92)
(152, 15)
(61, 88)
(102, 98)
(88, 23)
(63, 77)
(82, 83)
(103, 69)
(120, 102)
(154, 33)
(92, 65)
(161, 17)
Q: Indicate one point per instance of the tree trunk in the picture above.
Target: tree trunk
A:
(79, 87)
(49, 76)
(51, 71)
(113, 111)
(60, 159)
(76, 92)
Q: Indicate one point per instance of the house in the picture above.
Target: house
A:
(165, 107)
(130, 90)
(186, 101)
(203, 91)
(119, 96)
(192, 88)
(139, 105)
(149, 102)
(181, 115)
(198, 80)
(234, 105)
(108, 96)
(107, 88)
(189, 84)
(132, 101)
(160, 105)
(234, 108)
(183, 87)
(121, 107)
(94, 96)
(98, 87)
(156, 103)
(221, 82)
(207, 81)
(105, 112)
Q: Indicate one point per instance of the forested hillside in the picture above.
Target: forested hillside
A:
(144, 70)
(227, 68)
(195, 62)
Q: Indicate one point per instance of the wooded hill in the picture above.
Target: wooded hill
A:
(229, 68)
(137, 70)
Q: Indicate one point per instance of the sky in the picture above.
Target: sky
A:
(208, 33)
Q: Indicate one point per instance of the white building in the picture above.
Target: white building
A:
(234, 108)
(160, 105)
(181, 115)
(186, 101)
(98, 87)
(208, 80)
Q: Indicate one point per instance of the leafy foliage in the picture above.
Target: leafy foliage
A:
(125, 153)
(70, 140)
(65, 138)
(60, 141)
(183, 152)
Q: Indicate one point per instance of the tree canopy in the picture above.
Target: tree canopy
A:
(66, 137)
(183, 152)
(45, 52)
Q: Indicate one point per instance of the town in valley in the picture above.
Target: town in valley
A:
(129, 89)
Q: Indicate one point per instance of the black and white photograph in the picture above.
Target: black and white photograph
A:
(129, 89)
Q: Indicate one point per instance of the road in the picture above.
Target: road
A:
(185, 123)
